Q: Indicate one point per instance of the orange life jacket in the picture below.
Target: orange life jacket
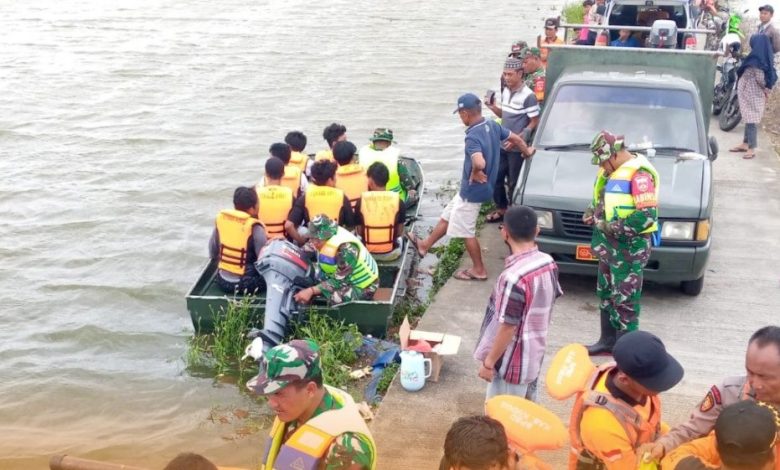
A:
(324, 200)
(292, 179)
(234, 228)
(379, 210)
(275, 205)
(638, 429)
(299, 160)
(353, 181)
(324, 155)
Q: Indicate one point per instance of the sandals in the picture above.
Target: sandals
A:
(467, 275)
(738, 149)
(494, 217)
(749, 156)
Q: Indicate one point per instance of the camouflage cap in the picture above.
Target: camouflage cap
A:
(287, 363)
(518, 48)
(534, 51)
(382, 133)
(322, 228)
(604, 146)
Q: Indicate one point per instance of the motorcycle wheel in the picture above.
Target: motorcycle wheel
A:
(718, 97)
(730, 116)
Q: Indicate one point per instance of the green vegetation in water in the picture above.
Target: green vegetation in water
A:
(410, 306)
(338, 342)
(387, 378)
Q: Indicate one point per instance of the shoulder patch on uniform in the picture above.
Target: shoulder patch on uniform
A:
(710, 400)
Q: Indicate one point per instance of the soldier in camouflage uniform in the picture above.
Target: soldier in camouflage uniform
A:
(624, 213)
(308, 411)
(353, 273)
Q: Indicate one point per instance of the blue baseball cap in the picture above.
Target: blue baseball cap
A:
(467, 101)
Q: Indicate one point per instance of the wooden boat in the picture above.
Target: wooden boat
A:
(206, 301)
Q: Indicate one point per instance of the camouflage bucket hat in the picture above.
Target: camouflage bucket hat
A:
(287, 363)
(604, 146)
(322, 228)
(382, 134)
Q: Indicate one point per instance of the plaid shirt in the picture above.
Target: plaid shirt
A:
(523, 296)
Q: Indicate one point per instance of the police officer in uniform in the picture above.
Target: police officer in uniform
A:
(624, 213)
(235, 243)
(762, 383)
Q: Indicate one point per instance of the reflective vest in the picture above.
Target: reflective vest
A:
(324, 200)
(309, 444)
(389, 157)
(324, 155)
(379, 210)
(366, 271)
(642, 424)
(234, 228)
(618, 201)
(275, 205)
(353, 181)
(292, 179)
(299, 160)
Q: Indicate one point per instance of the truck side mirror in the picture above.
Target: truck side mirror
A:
(713, 150)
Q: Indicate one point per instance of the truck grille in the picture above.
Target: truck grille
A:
(573, 225)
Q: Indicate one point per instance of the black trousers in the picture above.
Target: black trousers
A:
(250, 283)
(509, 166)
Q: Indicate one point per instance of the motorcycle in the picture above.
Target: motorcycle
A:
(728, 77)
(730, 114)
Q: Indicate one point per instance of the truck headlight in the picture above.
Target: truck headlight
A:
(678, 230)
(544, 219)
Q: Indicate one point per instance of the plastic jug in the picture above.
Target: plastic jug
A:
(413, 370)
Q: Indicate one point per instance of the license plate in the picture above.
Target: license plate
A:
(584, 253)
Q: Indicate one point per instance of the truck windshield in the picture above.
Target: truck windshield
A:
(663, 117)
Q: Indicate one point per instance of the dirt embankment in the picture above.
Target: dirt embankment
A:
(771, 120)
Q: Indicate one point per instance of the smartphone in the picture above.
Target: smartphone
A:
(490, 97)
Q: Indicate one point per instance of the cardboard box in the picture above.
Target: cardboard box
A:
(443, 345)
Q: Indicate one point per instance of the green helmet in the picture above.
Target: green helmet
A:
(604, 146)
(734, 22)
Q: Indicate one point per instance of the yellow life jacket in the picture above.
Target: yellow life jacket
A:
(292, 179)
(324, 155)
(642, 423)
(275, 205)
(235, 228)
(299, 160)
(353, 181)
(389, 157)
(309, 444)
(324, 200)
(379, 210)
(366, 271)
(618, 201)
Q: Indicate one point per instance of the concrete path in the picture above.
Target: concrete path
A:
(708, 333)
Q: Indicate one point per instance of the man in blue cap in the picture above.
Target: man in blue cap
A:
(484, 140)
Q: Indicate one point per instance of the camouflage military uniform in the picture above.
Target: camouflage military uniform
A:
(530, 78)
(623, 252)
(336, 287)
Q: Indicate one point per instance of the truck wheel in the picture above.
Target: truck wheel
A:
(692, 287)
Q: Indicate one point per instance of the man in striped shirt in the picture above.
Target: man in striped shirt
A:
(513, 336)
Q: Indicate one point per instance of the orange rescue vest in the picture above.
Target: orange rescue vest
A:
(292, 179)
(642, 424)
(324, 155)
(275, 205)
(299, 160)
(324, 200)
(379, 210)
(352, 180)
(234, 228)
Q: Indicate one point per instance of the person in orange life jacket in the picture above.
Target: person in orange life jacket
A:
(478, 443)
(294, 178)
(275, 200)
(378, 176)
(745, 438)
(762, 383)
(297, 142)
(323, 174)
(316, 426)
(235, 243)
(604, 435)
(483, 141)
(332, 134)
(350, 175)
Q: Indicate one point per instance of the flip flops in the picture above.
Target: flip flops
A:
(738, 149)
(748, 156)
(467, 275)
(494, 217)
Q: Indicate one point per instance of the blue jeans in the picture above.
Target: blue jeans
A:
(751, 135)
(500, 387)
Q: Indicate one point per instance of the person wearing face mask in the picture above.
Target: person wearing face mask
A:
(620, 408)
(316, 426)
(761, 383)
(624, 213)
(513, 336)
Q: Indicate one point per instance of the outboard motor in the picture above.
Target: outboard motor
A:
(280, 263)
(663, 34)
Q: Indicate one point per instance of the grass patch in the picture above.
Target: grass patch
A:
(387, 378)
(573, 13)
(338, 342)
(410, 306)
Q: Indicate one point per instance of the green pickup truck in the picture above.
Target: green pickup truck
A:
(660, 100)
